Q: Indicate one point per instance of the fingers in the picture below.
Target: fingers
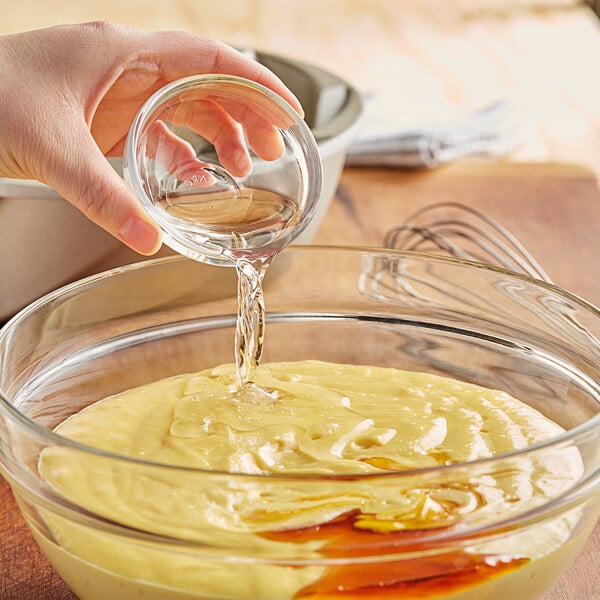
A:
(224, 122)
(175, 155)
(210, 121)
(266, 141)
(221, 127)
(180, 54)
(87, 181)
(262, 132)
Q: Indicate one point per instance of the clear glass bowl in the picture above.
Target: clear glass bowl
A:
(145, 322)
(224, 166)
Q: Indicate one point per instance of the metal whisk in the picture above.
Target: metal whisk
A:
(463, 232)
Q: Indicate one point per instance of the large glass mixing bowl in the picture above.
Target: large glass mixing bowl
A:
(149, 321)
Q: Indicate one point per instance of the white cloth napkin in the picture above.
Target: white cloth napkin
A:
(492, 131)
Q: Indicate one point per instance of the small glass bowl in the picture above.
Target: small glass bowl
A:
(225, 167)
(386, 308)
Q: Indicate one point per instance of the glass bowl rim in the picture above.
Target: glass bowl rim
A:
(50, 436)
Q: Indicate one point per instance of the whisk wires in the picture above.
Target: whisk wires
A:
(464, 232)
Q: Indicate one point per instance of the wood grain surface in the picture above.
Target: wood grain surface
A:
(553, 209)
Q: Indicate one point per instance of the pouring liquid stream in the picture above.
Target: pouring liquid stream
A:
(250, 326)
(241, 224)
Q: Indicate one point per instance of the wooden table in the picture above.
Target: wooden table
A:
(553, 209)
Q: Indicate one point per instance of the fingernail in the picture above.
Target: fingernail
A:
(242, 162)
(274, 146)
(140, 235)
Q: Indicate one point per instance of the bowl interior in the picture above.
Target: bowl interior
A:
(172, 316)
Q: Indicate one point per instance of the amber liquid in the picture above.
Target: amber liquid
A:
(430, 576)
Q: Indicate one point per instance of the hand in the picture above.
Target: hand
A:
(231, 127)
(68, 96)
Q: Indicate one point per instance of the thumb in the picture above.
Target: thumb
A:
(85, 179)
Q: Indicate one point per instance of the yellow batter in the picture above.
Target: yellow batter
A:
(315, 419)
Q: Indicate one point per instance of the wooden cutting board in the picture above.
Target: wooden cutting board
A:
(553, 209)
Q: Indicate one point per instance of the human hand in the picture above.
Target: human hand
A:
(68, 96)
